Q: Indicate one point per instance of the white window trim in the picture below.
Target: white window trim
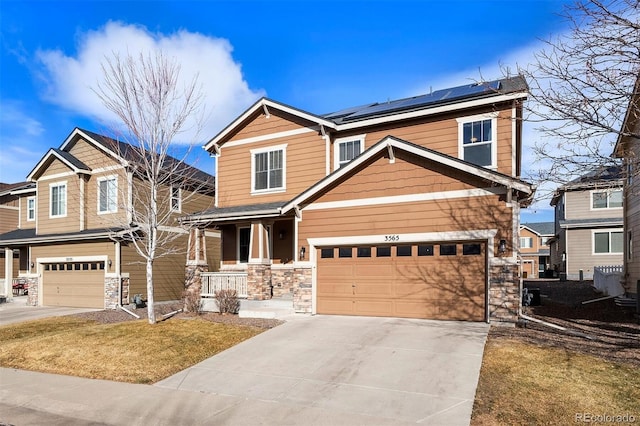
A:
(609, 231)
(253, 152)
(530, 239)
(336, 147)
(179, 209)
(34, 209)
(66, 197)
(608, 191)
(102, 179)
(493, 116)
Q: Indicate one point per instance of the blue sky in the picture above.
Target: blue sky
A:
(318, 56)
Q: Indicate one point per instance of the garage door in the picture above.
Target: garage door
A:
(78, 284)
(430, 280)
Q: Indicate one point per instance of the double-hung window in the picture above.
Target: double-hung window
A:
(176, 200)
(31, 208)
(108, 194)
(526, 242)
(606, 242)
(346, 149)
(58, 199)
(268, 169)
(477, 139)
(606, 199)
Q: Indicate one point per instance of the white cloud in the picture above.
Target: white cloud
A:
(70, 79)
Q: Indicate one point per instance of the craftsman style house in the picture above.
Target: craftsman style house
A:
(74, 221)
(534, 249)
(406, 208)
(628, 148)
(588, 224)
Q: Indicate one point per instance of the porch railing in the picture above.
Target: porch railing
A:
(607, 279)
(214, 281)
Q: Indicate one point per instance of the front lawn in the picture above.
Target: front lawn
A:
(132, 351)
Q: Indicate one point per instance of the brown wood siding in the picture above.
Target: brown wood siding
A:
(16, 265)
(68, 223)
(382, 178)
(487, 212)
(433, 287)
(98, 248)
(260, 125)
(168, 272)
(55, 167)
(440, 133)
(305, 165)
(24, 223)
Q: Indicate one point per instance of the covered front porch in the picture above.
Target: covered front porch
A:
(260, 259)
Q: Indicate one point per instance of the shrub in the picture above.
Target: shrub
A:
(192, 302)
(228, 301)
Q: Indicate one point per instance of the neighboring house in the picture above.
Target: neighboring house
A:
(71, 231)
(406, 208)
(588, 224)
(628, 148)
(10, 220)
(534, 249)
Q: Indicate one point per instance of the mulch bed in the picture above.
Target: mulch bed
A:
(601, 329)
(109, 316)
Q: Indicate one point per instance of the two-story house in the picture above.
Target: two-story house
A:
(406, 208)
(588, 224)
(73, 230)
(628, 148)
(534, 249)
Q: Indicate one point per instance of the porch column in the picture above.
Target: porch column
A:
(259, 265)
(196, 264)
(8, 273)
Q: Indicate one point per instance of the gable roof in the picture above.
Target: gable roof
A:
(540, 228)
(125, 153)
(16, 188)
(391, 143)
(466, 96)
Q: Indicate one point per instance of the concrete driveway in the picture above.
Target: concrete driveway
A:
(16, 310)
(380, 369)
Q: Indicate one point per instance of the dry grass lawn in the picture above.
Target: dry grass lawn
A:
(130, 351)
(523, 384)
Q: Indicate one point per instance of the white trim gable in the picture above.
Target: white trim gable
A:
(420, 151)
(78, 132)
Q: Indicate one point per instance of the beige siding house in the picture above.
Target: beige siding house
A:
(588, 224)
(407, 208)
(628, 148)
(73, 232)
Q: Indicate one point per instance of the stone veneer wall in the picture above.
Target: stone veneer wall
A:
(32, 285)
(111, 291)
(282, 280)
(193, 281)
(258, 281)
(302, 298)
(504, 293)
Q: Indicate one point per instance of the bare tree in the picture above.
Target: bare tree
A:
(144, 93)
(581, 84)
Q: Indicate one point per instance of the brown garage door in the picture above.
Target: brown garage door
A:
(79, 284)
(430, 280)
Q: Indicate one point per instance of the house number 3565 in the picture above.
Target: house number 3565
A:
(392, 237)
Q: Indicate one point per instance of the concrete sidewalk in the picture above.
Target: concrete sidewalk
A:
(320, 370)
(16, 310)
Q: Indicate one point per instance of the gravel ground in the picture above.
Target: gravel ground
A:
(601, 328)
(114, 316)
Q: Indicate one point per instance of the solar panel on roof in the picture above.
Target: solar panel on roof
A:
(437, 96)
(347, 111)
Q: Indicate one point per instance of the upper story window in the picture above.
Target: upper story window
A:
(477, 137)
(346, 149)
(176, 199)
(526, 242)
(58, 199)
(606, 199)
(107, 194)
(268, 169)
(31, 208)
(605, 242)
(544, 241)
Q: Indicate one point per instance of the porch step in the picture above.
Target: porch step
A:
(273, 308)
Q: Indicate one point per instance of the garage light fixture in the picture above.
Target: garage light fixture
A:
(109, 263)
(302, 252)
(502, 247)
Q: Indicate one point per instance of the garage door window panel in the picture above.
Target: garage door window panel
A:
(471, 249)
(403, 251)
(345, 252)
(364, 251)
(448, 250)
(384, 251)
(425, 250)
(326, 253)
